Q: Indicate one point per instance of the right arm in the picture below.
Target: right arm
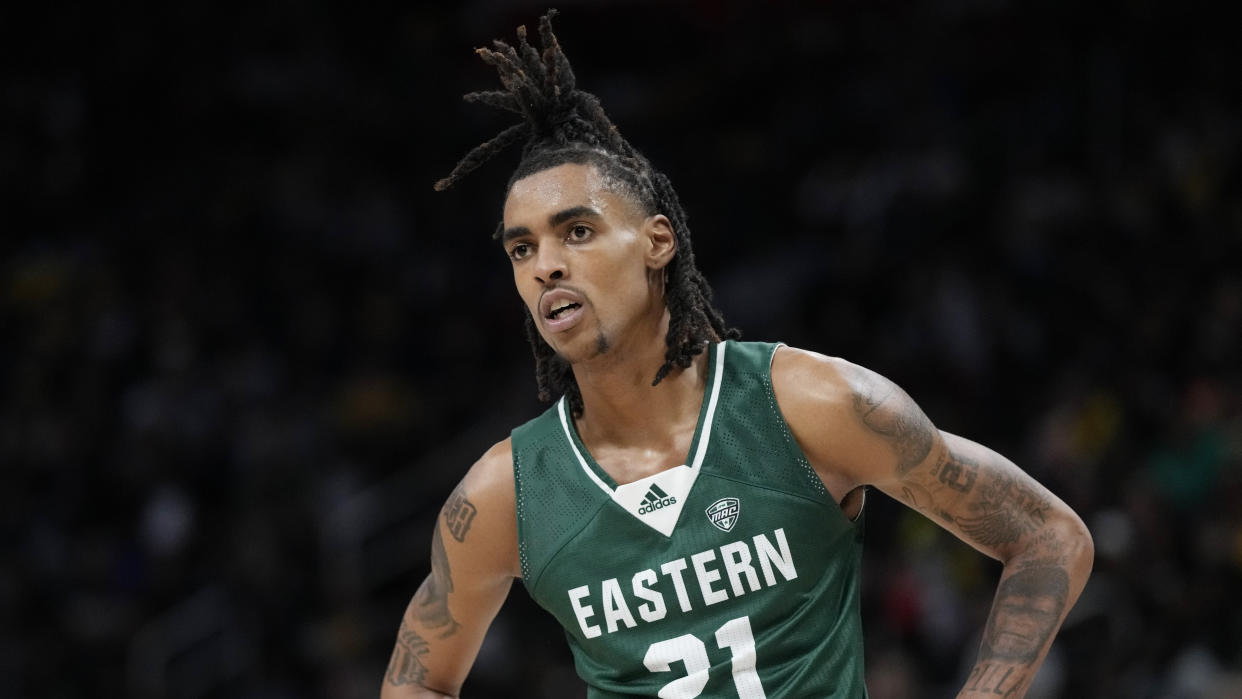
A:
(474, 560)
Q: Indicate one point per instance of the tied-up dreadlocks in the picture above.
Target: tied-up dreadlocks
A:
(562, 124)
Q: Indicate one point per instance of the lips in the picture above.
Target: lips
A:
(560, 309)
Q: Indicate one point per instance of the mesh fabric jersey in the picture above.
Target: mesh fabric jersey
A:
(734, 575)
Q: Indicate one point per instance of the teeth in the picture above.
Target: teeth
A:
(561, 309)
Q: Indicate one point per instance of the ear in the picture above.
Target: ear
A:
(661, 241)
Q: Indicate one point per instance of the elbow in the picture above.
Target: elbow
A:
(1076, 545)
(1085, 547)
(1063, 541)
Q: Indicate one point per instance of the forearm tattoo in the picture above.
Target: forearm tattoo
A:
(1026, 613)
(979, 494)
(406, 665)
(997, 679)
(430, 604)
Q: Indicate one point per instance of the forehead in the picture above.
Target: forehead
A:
(558, 188)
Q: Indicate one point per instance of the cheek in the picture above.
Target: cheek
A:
(629, 286)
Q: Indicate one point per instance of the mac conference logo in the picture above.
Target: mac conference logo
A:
(723, 513)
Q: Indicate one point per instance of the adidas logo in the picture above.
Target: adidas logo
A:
(654, 500)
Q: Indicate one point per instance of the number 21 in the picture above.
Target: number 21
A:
(734, 635)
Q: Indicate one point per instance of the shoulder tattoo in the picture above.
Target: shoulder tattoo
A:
(886, 410)
(458, 513)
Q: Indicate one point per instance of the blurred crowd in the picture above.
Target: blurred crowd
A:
(248, 352)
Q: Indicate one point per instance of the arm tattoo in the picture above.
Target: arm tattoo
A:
(921, 498)
(1027, 611)
(431, 608)
(1052, 552)
(1003, 511)
(406, 665)
(956, 472)
(887, 411)
(458, 513)
(996, 679)
(431, 600)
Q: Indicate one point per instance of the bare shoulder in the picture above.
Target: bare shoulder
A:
(816, 387)
(481, 512)
(491, 476)
(800, 376)
(852, 423)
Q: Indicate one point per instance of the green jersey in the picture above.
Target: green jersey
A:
(733, 575)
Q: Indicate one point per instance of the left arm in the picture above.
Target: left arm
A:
(856, 427)
(1046, 550)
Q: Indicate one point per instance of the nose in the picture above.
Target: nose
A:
(550, 264)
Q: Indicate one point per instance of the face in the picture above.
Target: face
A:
(1022, 624)
(587, 262)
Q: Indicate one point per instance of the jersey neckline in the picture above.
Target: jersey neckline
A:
(698, 444)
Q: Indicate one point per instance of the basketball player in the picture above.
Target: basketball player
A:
(690, 508)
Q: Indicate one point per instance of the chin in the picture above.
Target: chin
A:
(582, 348)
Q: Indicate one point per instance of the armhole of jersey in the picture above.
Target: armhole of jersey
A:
(532, 570)
(795, 449)
(862, 506)
(519, 511)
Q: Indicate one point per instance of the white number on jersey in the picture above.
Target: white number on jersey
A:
(735, 635)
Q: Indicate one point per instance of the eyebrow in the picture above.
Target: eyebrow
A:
(554, 220)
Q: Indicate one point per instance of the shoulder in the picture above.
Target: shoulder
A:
(498, 457)
(815, 379)
(805, 379)
(846, 417)
(491, 477)
(480, 515)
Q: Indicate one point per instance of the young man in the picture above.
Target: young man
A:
(699, 534)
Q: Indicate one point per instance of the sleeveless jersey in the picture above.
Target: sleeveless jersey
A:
(733, 575)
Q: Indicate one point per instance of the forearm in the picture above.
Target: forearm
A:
(1038, 587)
(407, 670)
(473, 564)
(412, 692)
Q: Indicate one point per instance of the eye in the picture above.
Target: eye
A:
(579, 232)
(519, 251)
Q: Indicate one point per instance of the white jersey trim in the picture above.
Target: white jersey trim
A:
(705, 434)
(560, 408)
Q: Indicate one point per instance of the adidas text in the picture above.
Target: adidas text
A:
(652, 506)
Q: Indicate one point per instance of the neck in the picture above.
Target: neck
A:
(622, 408)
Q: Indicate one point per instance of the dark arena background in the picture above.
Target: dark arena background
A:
(247, 351)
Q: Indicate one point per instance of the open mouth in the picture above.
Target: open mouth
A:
(562, 310)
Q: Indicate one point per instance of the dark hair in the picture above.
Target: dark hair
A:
(562, 124)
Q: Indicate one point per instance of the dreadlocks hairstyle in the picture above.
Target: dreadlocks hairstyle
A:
(562, 124)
